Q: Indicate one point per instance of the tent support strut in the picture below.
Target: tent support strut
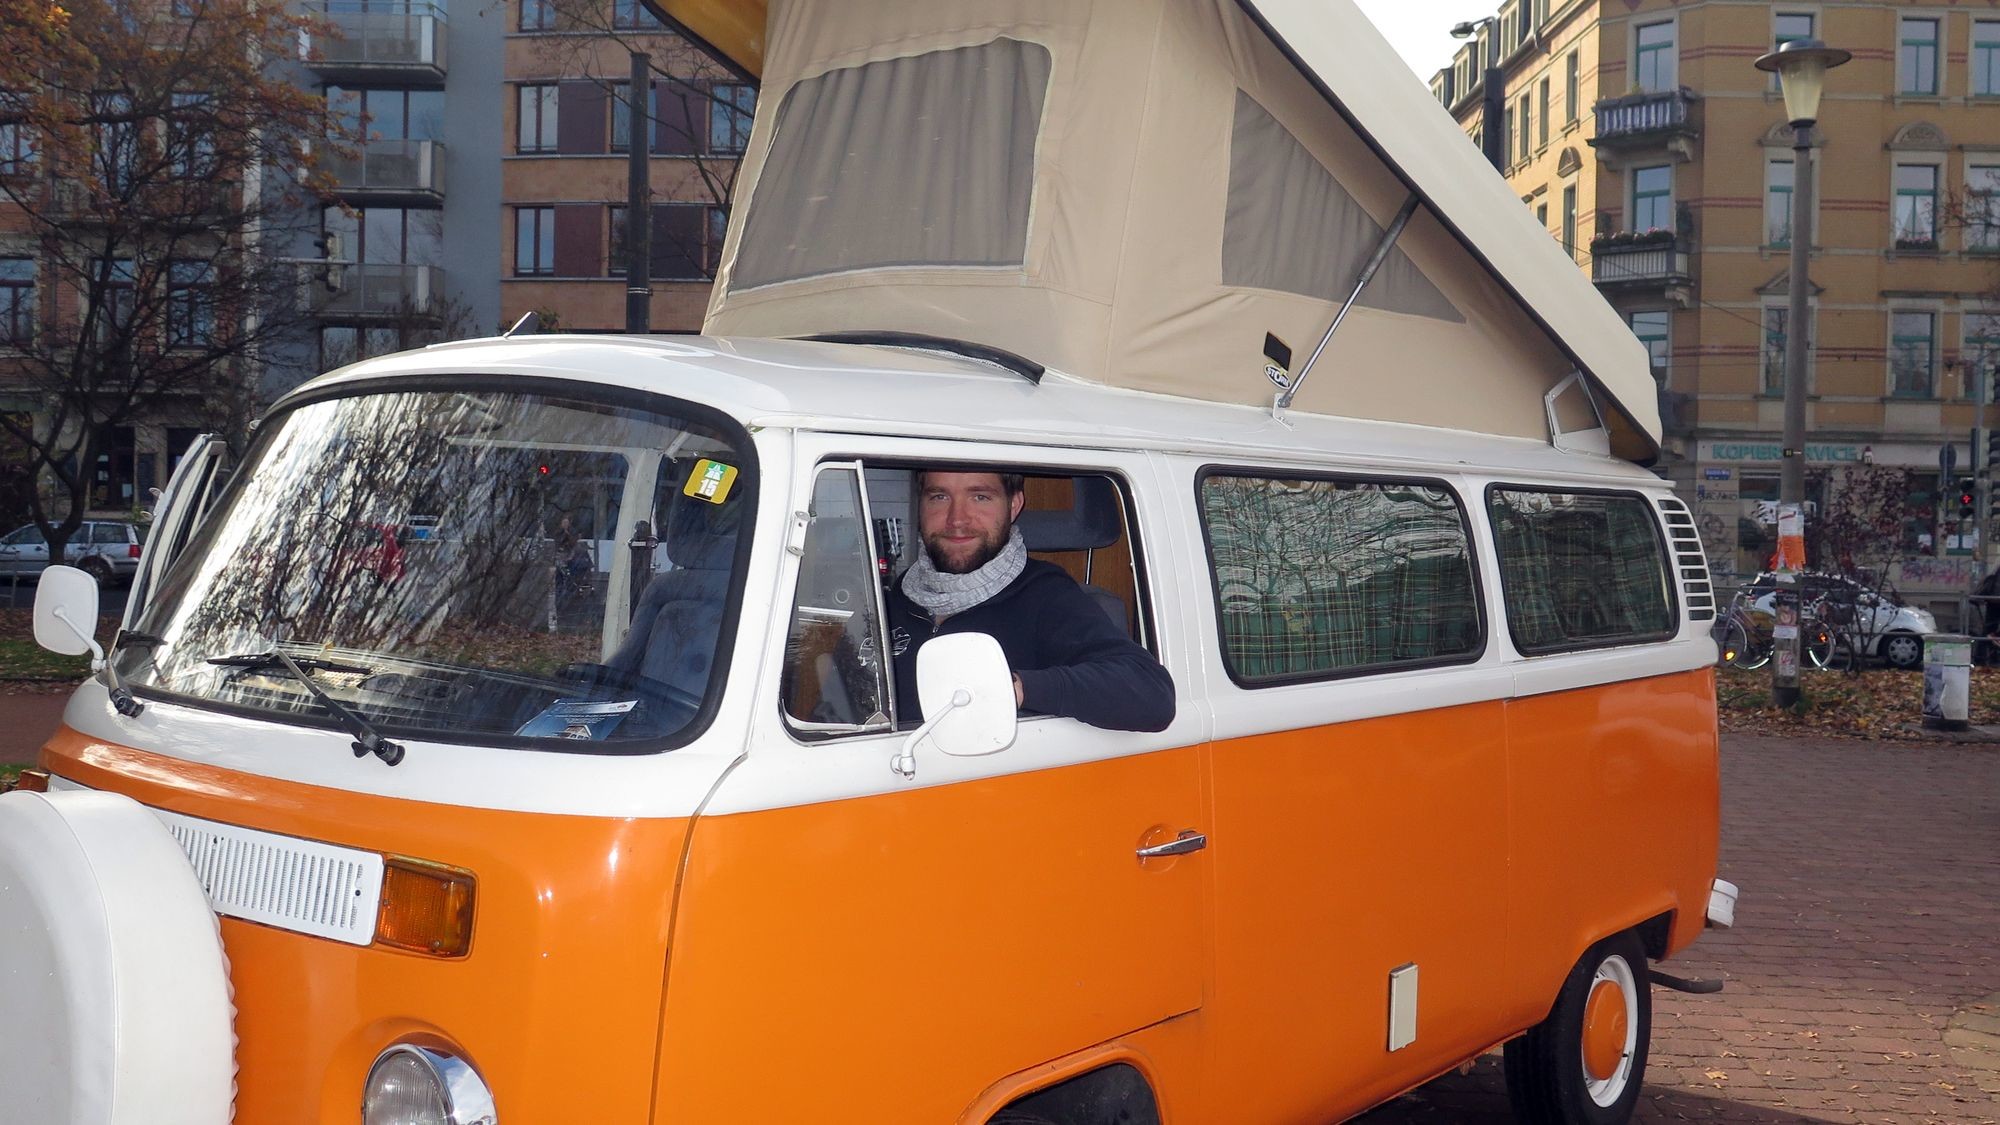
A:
(1375, 261)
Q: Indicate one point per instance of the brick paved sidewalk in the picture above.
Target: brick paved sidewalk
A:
(1870, 918)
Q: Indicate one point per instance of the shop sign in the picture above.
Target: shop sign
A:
(1773, 452)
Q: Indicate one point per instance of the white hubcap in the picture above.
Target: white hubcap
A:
(1605, 1091)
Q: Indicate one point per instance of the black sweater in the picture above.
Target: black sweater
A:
(1071, 658)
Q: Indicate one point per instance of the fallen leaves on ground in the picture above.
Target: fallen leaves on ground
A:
(1878, 703)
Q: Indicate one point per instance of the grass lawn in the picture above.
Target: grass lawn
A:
(22, 658)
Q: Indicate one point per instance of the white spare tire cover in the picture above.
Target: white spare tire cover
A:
(114, 991)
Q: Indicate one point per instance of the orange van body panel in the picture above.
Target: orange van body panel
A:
(557, 1004)
(899, 953)
(1617, 804)
(1341, 853)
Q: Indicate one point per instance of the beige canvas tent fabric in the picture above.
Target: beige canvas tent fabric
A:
(1138, 192)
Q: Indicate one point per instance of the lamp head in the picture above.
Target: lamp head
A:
(1801, 67)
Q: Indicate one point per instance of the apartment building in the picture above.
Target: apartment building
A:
(565, 170)
(1648, 144)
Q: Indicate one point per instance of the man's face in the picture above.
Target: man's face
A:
(965, 518)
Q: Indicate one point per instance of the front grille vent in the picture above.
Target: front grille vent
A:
(292, 884)
(1684, 542)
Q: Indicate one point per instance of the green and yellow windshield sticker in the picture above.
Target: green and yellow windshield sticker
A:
(710, 481)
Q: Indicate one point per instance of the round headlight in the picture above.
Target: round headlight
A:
(410, 1085)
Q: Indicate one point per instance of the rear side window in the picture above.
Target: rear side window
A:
(1580, 569)
(108, 533)
(1321, 577)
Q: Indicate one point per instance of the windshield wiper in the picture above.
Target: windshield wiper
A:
(367, 740)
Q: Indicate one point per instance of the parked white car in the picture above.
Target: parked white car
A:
(107, 550)
(1888, 628)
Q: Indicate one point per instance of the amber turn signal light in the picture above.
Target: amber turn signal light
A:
(426, 907)
(29, 781)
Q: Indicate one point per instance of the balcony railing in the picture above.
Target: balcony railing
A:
(1653, 262)
(1643, 117)
(371, 289)
(385, 168)
(375, 38)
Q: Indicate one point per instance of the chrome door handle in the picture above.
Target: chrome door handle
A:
(1184, 844)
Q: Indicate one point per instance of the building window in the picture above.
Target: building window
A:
(1650, 327)
(190, 304)
(534, 241)
(686, 241)
(1572, 87)
(1787, 27)
(1652, 198)
(17, 301)
(191, 137)
(1917, 56)
(1542, 121)
(1542, 215)
(729, 119)
(635, 15)
(621, 119)
(117, 470)
(115, 141)
(1569, 220)
(113, 283)
(1526, 114)
(17, 137)
(1982, 349)
(1913, 354)
(1654, 56)
(1774, 350)
(1778, 173)
(1986, 58)
(538, 15)
(1982, 207)
(1915, 205)
(537, 131)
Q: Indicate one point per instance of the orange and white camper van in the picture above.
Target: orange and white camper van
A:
(509, 736)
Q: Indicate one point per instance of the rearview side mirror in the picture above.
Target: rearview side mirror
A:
(66, 613)
(967, 694)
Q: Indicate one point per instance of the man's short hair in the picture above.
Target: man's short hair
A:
(1013, 483)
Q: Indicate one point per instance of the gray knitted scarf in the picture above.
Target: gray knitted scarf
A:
(946, 594)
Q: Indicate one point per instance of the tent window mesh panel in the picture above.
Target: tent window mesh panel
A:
(926, 160)
(1324, 577)
(1290, 226)
(1580, 570)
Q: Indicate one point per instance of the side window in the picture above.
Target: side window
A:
(1316, 578)
(836, 680)
(1580, 570)
(108, 533)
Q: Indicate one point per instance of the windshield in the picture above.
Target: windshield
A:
(471, 564)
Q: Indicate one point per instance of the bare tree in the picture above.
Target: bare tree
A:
(1878, 520)
(154, 160)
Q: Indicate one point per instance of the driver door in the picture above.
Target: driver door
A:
(986, 916)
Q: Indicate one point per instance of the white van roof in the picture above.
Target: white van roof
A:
(846, 388)
(1154, 194)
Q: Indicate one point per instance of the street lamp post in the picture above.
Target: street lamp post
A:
(1492, 93)
(1801, 66)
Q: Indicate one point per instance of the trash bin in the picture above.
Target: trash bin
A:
(1947, 681)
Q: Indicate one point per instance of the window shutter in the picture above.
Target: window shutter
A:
(680, 119)
(677, 236)
(579, 240)
(580, 118)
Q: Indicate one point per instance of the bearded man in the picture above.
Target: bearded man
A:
(974, 576)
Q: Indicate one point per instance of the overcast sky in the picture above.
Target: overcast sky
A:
(1420, 30)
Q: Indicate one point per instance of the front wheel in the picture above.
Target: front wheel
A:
(1584, 1064)
(1902, 650)
(98, 569)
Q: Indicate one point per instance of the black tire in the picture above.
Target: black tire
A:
(1818, 643)
(1550, 1080)
(98, 569)
(1901, 650)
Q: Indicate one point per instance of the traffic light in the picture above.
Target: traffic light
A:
(1966, 497)
(1993, 449)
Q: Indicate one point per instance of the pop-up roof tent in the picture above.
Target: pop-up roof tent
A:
(1168, 195)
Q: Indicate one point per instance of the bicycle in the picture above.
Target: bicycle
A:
(1744, 635)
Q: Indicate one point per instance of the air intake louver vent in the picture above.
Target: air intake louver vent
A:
(1692, 566)
(281, 881)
